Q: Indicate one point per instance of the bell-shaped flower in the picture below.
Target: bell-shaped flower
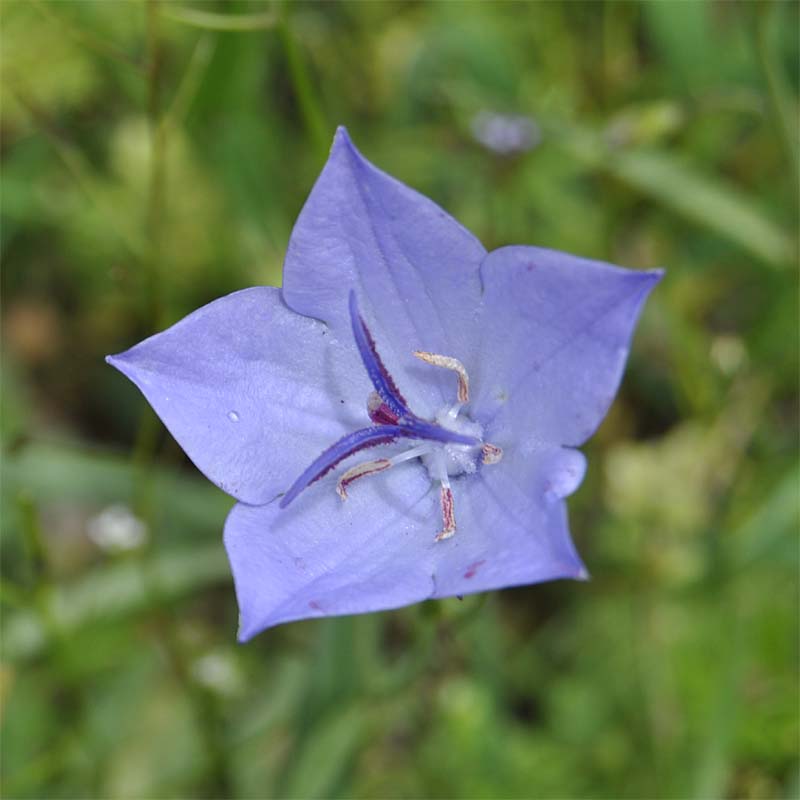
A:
(399, 421)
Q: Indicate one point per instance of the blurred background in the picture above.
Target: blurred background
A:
(155, 156)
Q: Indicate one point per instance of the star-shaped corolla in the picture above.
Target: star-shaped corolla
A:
(398, 422)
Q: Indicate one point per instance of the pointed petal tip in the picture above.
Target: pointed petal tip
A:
(253, 623)
(118, 361)
(645, 280)
(123, 363)
(342, 139)
(249, 629)
(345, 149)
(244, 635)
(649, 280)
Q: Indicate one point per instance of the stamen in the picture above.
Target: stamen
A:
(491, 454)
(378, 465)
(448, 514)
(360, 471)
(448, 362)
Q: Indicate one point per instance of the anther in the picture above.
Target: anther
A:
(448, 514)
(360, 471)
(491, 454)
(448, 362)
(366, 468)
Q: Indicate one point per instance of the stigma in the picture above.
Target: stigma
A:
(450, 446)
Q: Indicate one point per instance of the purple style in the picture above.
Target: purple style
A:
(352, 496)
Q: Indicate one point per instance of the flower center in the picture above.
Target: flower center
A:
(450, 458)
(450, 446)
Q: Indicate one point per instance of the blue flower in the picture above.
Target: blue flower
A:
(505, 134)
(399, 421)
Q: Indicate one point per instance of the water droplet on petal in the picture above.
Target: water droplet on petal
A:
(233, 416)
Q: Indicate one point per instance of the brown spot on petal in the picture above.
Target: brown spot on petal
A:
(472, 569)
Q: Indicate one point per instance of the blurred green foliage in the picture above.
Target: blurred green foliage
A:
(155, 157)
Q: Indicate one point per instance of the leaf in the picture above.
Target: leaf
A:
(112, 592)
(705, 200)
(213, 21)
(319, 766)
(57, 472)
(769, 534)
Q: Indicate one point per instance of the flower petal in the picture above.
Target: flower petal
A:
(512, 524)
(249, 390)
(323, 557)
(414, 267)
(377, 550)
(556, 332)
